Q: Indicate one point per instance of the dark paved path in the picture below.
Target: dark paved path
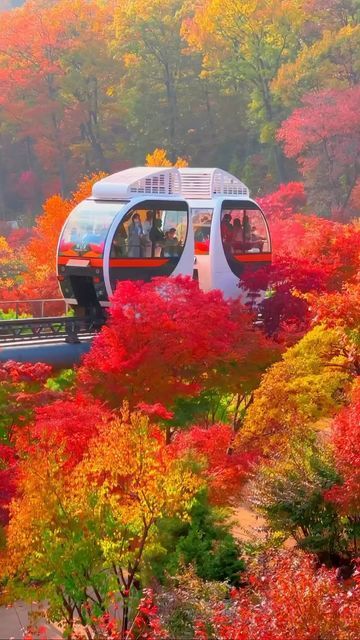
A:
(13, 622)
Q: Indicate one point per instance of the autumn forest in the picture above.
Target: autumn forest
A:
(197, 474)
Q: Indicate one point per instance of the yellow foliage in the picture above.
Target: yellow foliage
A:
(128, 479)
(324, 64)
(296, 392)
(158, 158)
(130, 60)
(7, 257)
(143, 480)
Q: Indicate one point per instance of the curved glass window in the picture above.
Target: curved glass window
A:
(86, 228)
(243, 229)
(152, 230)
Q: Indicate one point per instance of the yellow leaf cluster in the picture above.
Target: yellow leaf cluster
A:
(158, 158)
(128, 479)
(296, 392)
(327, 63)
(7, 259)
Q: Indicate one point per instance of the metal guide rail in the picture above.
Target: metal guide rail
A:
(34, 329)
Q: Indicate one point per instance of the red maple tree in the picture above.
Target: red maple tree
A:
(168, 339)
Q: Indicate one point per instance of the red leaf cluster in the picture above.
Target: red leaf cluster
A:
(64, 425)
(24, 371)
(324, 136)
(166, 339)
(288, 199)
(225, 470)
(311, 255)
(7, 480)
(290, 599)
(346, 442)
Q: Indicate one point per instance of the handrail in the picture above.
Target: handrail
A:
(31, 329)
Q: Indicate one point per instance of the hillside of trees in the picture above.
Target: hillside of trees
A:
(268, 90)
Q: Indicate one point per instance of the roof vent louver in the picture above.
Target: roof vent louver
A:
(194, 184)
(198, 184)
(162, 181)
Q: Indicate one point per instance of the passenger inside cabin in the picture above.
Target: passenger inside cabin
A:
(237, 230)
(255, 236)
(243, 231)
(246, 227)
(227, 232)
(226, 228)
(156, 235)
(135, 233)
(257, 241)
(119, 248)
(181, 231)
(171, 244)
(146, 244)
(148, 223)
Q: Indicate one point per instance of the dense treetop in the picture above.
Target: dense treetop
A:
(265, 89)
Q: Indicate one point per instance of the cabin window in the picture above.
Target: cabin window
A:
(201, 220)
(151, 232)
(87, 227)
(244, 231)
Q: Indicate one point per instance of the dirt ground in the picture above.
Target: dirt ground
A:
(247, 525)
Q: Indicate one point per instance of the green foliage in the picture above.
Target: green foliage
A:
(205, 542)
(11, 314)
(209, 407)
(64, 381)
(290, 495)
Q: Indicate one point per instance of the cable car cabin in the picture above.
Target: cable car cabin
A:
(230, 230)
(156, 221)
(135, 226)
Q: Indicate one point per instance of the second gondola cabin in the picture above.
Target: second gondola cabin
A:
(147, 221)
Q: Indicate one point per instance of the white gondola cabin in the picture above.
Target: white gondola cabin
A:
(148, 221)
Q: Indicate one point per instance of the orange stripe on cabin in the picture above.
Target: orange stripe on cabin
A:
(253, 257)
(138, 262)
(117, 262)
(91, 262)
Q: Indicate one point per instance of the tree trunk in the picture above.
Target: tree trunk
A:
(172, 109)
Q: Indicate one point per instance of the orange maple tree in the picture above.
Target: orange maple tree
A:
(39, 277)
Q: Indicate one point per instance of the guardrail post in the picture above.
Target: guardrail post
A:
(71, 333)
